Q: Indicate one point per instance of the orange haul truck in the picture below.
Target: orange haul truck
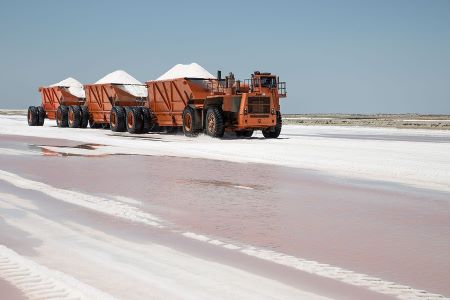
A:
(217, 105)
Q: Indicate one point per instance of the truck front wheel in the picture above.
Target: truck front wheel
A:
(214, 122)
(273, 132)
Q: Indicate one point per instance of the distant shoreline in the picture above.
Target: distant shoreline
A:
(414, 121)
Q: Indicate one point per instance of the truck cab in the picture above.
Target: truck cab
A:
(261, 105)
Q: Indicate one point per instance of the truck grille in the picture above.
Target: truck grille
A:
(258, 105)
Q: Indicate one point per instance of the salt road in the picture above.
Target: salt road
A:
(322, 212)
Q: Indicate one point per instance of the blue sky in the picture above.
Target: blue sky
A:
(336, 56)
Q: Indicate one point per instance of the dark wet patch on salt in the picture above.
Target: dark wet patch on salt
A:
(81, 146)
(219, 183)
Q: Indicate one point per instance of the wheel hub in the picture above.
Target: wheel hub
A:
(211, 123)
(130, 119)
(187, 122)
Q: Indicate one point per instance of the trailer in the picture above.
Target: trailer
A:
(216, 105)
(60, 101)
(116, 102)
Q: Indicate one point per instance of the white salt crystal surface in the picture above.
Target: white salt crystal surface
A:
(127, 83)
(192, 70)
(74, 86)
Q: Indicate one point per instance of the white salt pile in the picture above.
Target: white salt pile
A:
(192, 70)
(127, 83)
(119, 77)
(74, 86)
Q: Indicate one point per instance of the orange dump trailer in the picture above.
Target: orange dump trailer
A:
(217, 105)
(116, 105)
(57, 101)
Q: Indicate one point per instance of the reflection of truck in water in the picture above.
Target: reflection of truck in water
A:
(218, 105)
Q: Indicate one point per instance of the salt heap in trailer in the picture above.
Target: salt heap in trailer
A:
(116, 101)
(59, 100)
(192, 70)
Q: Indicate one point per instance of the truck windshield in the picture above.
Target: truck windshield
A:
(269, 82)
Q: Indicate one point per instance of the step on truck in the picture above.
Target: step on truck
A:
(61, 102)
(217, 105)
(117, 106)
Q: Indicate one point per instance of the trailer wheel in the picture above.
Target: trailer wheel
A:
(74, 116)
(273, 132)
(41, 115)
(62, 116)
(189, 122)
(148, 119)
(33, 116)
(84, 116)
(134, 119)
(117, 119)
(214, 122)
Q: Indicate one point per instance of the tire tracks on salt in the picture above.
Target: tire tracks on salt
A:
(39, 282)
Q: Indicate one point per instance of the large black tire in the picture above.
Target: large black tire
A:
(148, 119)
(117, 119)
(273, 132)
(84, 116)
(33, 116)
(244, 133)
(215, 126)
(74, 116)
(134, 120)
(41, 115)
(62, 115)
(189, 122)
